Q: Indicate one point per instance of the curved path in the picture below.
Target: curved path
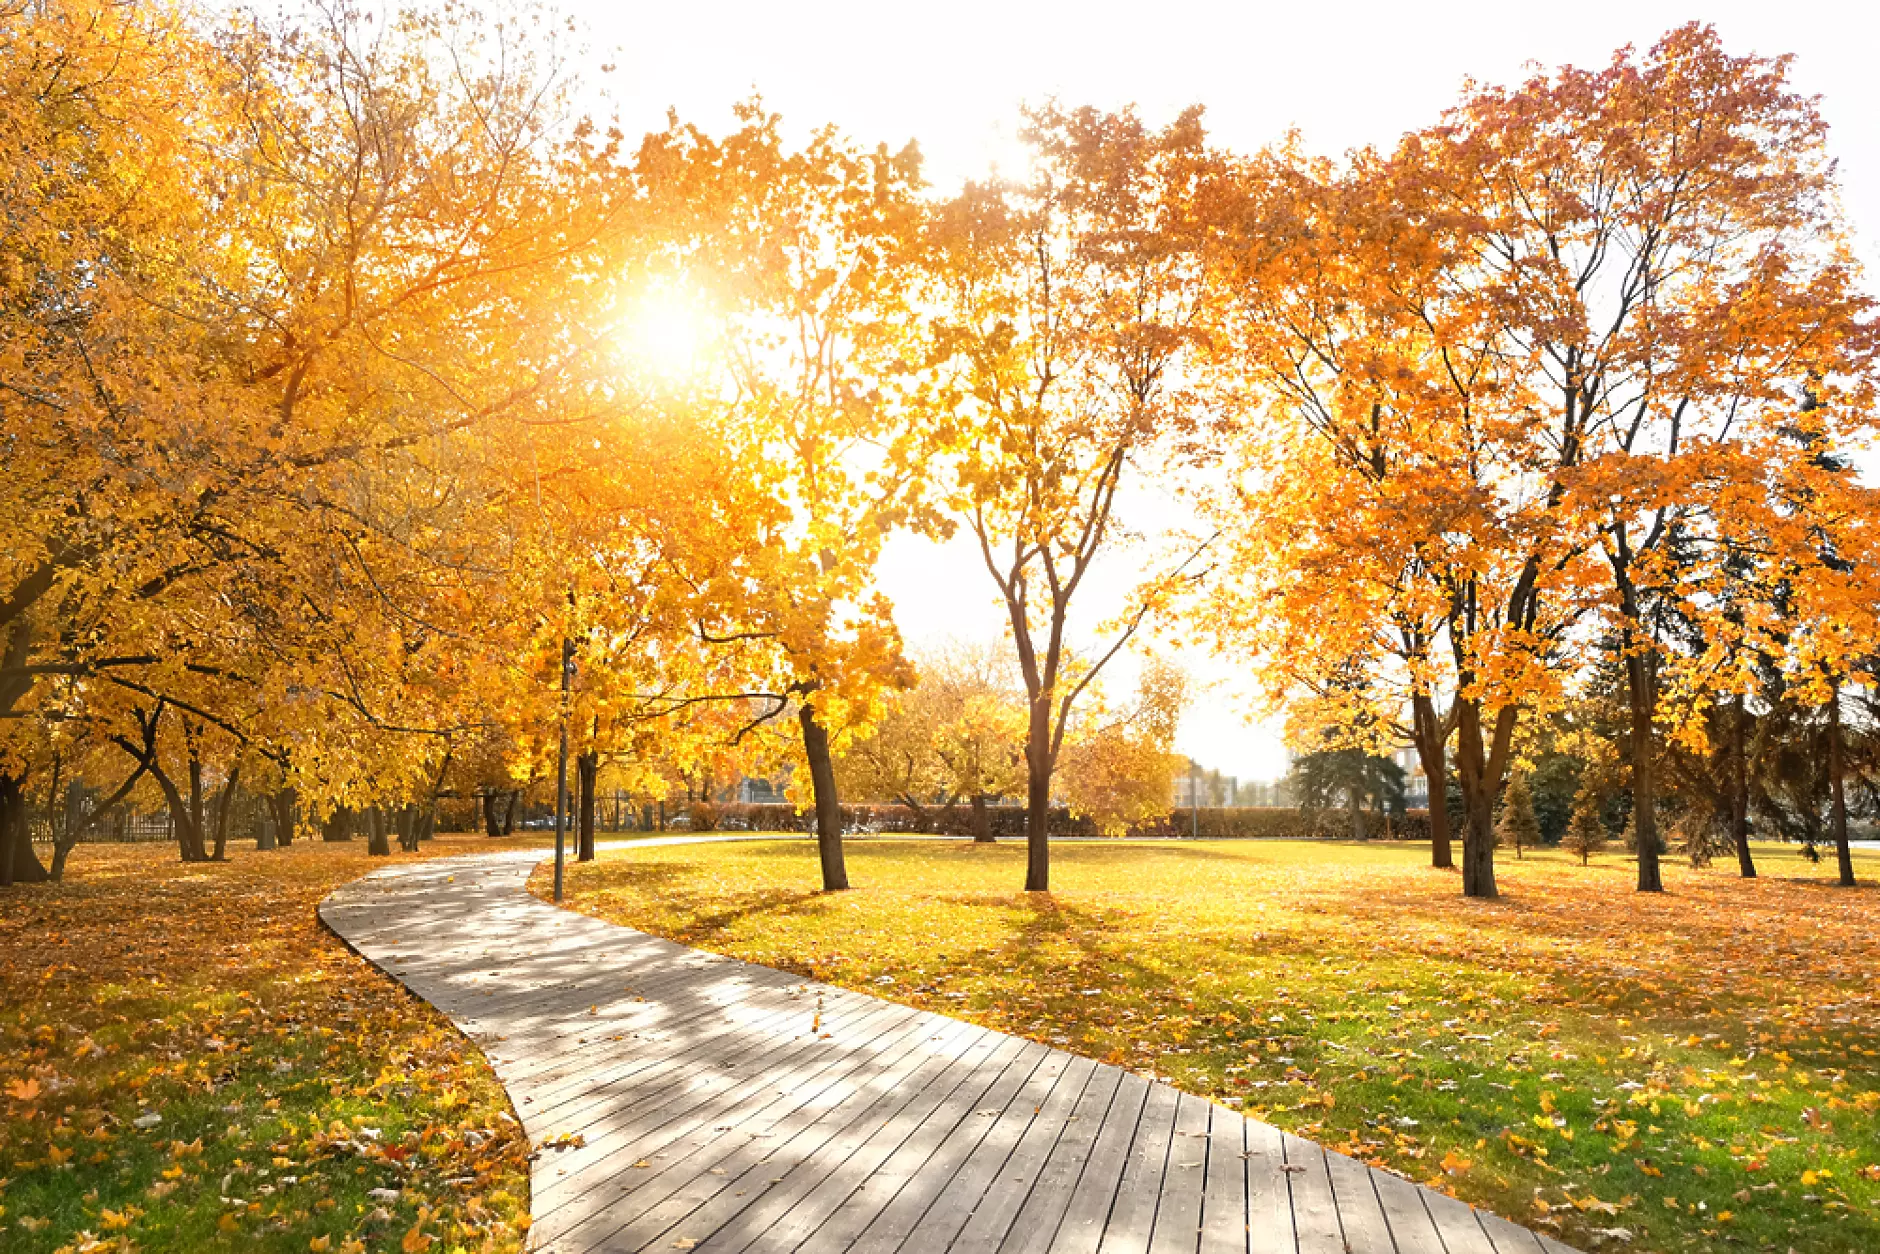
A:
(689, 1101)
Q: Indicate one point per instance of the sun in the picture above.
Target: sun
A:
(669, 332)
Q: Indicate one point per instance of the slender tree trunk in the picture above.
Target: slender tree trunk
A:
(1355, 803)
(587, 769)
(1739, 788)
(408, 826)
(18, 863)
(1642, 699)
(1429, 742)
(982, 821)
(198, 823)
(822, 777)
(1038, 765)
(1473, 770)
(224, 804)
(492, 827)
(509, 812)
(1837, 784)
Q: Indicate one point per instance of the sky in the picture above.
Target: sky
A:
(953, 76)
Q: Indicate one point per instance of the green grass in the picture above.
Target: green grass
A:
(290, 1079)
(1700, 1069)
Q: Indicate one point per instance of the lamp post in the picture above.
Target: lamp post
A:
(561, 766)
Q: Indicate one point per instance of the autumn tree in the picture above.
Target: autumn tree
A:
(1120, 764)
(1065, 302)
(1664, 234)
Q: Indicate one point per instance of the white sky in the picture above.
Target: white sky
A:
(1345, 74)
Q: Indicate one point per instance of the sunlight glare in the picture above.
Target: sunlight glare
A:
(670, 332)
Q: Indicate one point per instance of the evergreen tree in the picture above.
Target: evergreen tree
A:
(1518, 825)
(1586, 832)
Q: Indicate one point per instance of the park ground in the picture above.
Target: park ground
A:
(1693, 1071)
(190, 1062)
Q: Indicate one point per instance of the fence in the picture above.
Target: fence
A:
(1008, 822)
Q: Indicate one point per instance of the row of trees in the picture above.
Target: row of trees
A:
(370, 416)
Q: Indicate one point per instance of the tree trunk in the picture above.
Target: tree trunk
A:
(1429, 743)
(18, 863)
(408, 826)
(1038, 765)
(198, 820)
(1354, 802)
(377, 845)
(587, 768)
(822, 778)
(1642, 699)
(281, 803)
(1474, 768)
(982, 821)
(509, 812)
(223, 805)
(182, 818)
(1739, 789)
(1837, 784)
(492, 827)
(338, 827)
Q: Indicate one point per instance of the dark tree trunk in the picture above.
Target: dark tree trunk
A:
(1643, 703)
(1475, 771)
(1429, 743)
(377, 845)
(408, 829)
(982, 821)
(281, 803)
(1354, 801)
(182, 818)
(587, 769)
(509, 812)
(1837, 785)
(822, 778)
(646, 817)
(338, 827)
(492, 826)
(18, 863)
(1038, 768)
(223, 805)
(198, 819)
(1739, 789)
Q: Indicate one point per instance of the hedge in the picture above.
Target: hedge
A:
(1008, 822)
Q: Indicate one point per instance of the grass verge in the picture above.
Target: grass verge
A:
(190, 1062)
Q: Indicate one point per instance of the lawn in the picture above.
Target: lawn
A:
(1699, 1070)
(190, 1062)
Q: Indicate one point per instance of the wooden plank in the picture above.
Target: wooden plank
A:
(1224, 1199)
(1506, 1237)
(1456, 1222)
(1269, 1194)
(1314, 1204)
(1002, 1070)
(704, 1140)
(1132, 1216)
(1411, 1226)
(708, 1199)
(1360, 1212)
(781, 1193)
(1081, 1227)
(1009, 1191)
(968, 1184)
(900, 1217)
(1036, 1223)
(1178, 1211)
(834, 1187)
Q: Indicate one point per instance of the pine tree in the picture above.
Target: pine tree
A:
(1586, 833)
(1518, 825)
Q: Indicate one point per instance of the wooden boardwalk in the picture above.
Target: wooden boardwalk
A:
(728, 1107)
